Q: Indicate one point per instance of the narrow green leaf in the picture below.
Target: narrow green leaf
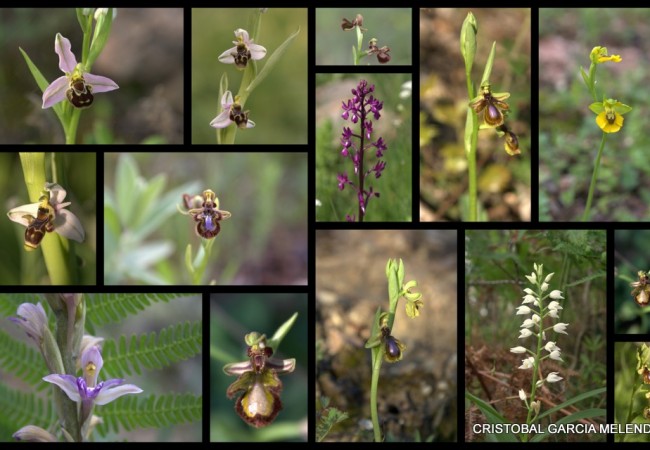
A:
(585, 414)
(585, 77)
(492, 416)
(281, 332)
(571, 401)
(273, 59)
(127, 188)
(42, 83)
(488, 66)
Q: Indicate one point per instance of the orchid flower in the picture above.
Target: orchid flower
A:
(243, 50)
(231, 113)
(77, 85)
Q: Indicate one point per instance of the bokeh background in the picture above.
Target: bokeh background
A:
(181, 377)
(394, 125)
(495, 264)
(278, 106)
(232, 316)
(417, 396)
(264, 242)
(144, 55)
(390, 26)
(568, 135)
(631, 255)
(76, 174)
(629, 390)
(503, 181)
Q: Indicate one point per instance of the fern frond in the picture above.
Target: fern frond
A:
(22, 360)
(132, 411)
(152, 351)
(107, 308)
(23, 408)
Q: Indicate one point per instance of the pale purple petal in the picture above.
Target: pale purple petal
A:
(257, 51)
(55, 92)
(69, 226)
(18, 213)
(67, 60)
(222, 120)
(243, 34)
(237, 368)
(99, 83)
(227, 56)
(67, 383)
(226, 100)
(94, 357)
(57, 193)
(32, 433)
(250, 124)
(110, 394)
(32, 319)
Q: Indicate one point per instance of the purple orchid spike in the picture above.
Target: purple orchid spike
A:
(77, 85)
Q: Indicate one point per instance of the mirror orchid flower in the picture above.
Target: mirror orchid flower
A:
(77, 85)
(258, 379)
(85, 390)
(243, 51)
(231, 113)
(47, 215)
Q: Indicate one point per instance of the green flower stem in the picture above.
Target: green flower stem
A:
(376, 367)
(358, 54)
(71, 128)
(594, 177)
(52, 246)
(471, 156)
(592, 81)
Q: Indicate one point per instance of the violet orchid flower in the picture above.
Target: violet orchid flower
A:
(85, 390)
(33, 320)
(231, 113)
(77, 85)
(243, 51)
(48, 211)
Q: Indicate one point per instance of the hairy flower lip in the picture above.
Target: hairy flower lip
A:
(56, 91)
(66, 223)
(223, 119)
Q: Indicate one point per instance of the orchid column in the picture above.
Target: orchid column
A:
(534, 326)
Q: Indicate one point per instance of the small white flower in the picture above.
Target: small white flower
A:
(529, 291)
(523, 310)
(518, 349)
(318, 203)
(556, 295)
(529, 299)
(544, 287)
(525, 333)
(540, 269)
(522, 395)
(407, 89)
(550, 346)
(553, 377)
(535, 406)
(536, 318)
(539, 383)
(528, 323)
(554, 313)
(555, 354)
(532, 278)
(527, 363)
(548, 277)
(560, 327)
(535, 266)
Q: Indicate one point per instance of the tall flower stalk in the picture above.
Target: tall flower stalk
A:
(609, 113)
(361, 109)
(535, 306)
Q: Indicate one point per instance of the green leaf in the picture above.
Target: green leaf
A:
(102, 31)
(273, 59)
(153, 351)
(281, 332)
(373, 340)
(587, 278)
(571, 401)
(20, 409)
(492, 416)
(127, 188)
(107, 308)
(42, 83)
(488, 66)
(328, 418)
(135, 411)
(585, 414)
(585, 77)
(148, 205)
(23, 360)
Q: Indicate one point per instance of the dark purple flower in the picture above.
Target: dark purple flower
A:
(368, 125)
(356, 159)
(350, 218)
(381, 147)
(378, 168)
(343, 180)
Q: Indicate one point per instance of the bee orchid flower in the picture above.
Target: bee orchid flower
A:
(77, 85)
(231, 112)
(243, 51)
(49, 214)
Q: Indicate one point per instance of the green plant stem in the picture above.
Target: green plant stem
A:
(594, 177)
(376, 367)
(358, 54)
(51, 245)
(471, 156)
(71, 128)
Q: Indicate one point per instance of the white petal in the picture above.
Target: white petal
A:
(227, 56)
(18, 213)
(57, 193)
(67, 383)
(226, 100)
(250, 124)
(222, 120)
(69, 226)
(518, 349)
(257, 51)
(108, 395)
(243, 34)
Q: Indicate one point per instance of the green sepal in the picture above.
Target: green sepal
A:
(281, 332)
(585, 77)
(488, 65)
(597, 107)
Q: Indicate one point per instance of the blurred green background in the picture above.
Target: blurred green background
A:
(390, 26)
(631, 251)
(495, 265)
(503, 181)
(76, 174)
(278, 106)
(394, 126)
(264, 242)
(569, 137)
(629, 391)
(232, 316)
(182, 377)
(143, 55)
